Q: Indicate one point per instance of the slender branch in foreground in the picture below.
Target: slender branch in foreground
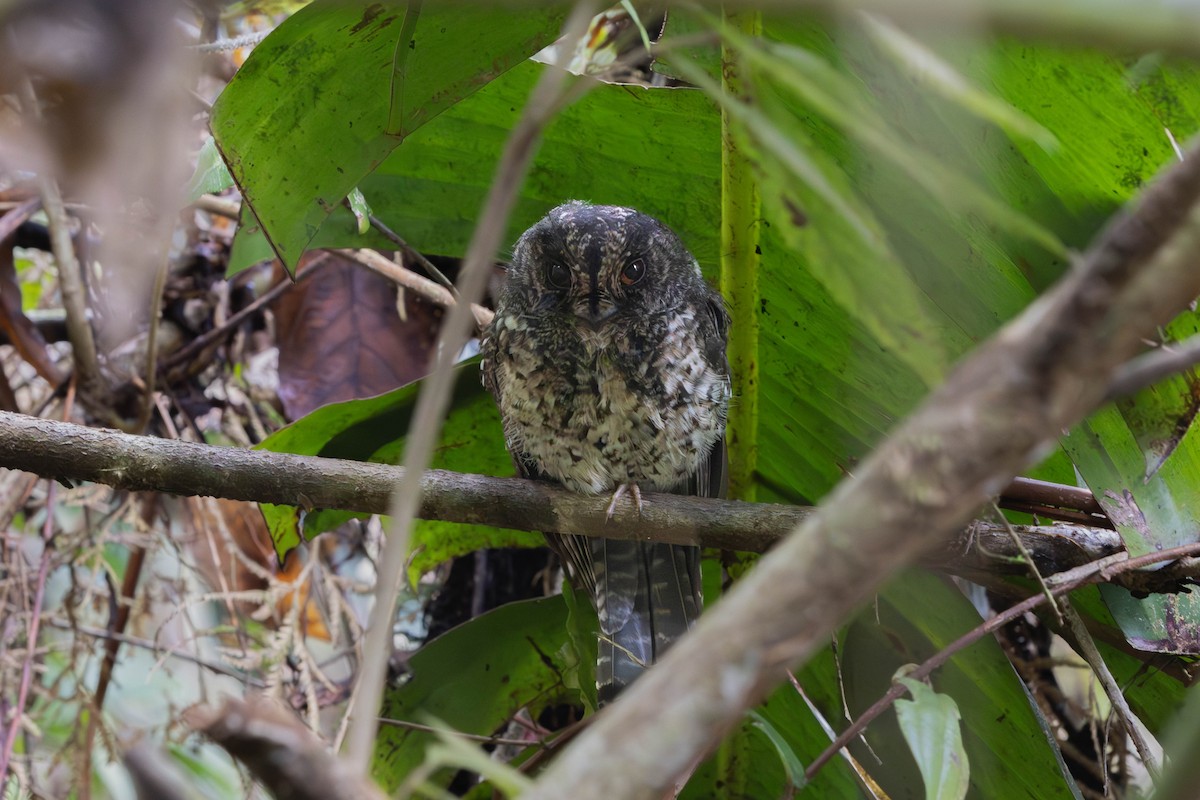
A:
(996, 412)
(434, 399)
(1151, 367)
(1087, 648)
(1060, 584)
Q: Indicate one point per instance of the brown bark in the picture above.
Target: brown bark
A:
(76, 453)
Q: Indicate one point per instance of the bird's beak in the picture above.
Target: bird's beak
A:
(595, 314)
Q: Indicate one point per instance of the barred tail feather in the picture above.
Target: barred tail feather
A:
(646, 595)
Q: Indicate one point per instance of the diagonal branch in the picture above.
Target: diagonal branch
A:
(996, 412)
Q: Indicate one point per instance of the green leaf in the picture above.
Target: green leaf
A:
(929, 722)
(841, 100)
(1011, 752)
(474, 678)
(373, 429)
(928, 69)
(360, 208)
(582, 629)
(455, 752)
(787, 756)
(337, 86)
(644, 147)
(211, 174)
(1141, 459)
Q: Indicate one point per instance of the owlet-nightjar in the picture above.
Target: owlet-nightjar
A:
(607, 361)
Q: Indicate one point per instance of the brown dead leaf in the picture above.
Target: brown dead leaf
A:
(341, 337)
(233, 553)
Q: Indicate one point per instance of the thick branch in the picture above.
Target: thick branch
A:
(288, 758)
(999, 410)
(75, 453)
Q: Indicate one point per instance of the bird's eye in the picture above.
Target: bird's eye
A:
(634, 271)
(558, 276)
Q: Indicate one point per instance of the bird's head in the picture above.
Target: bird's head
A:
(599, 264)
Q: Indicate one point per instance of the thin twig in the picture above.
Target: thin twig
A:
(1028, 560)
(412, 253)
(1091, 655)
(70, 277)
(222, 207)
(210, 338)
(120, 619)
(1060, 584)
(434, 398)
(1150, 368)
(146, 409)
(17, 216)
(154, 647)
(31, 637)
(410, 280)
(416, 726)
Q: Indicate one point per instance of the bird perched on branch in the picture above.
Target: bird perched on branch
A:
(607, 361)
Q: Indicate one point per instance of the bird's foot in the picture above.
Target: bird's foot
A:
(634, 492)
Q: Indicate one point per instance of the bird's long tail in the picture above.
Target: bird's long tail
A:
(647, 595)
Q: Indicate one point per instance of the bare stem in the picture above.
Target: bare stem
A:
(434, 398)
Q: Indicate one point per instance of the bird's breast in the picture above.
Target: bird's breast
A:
(638, 405)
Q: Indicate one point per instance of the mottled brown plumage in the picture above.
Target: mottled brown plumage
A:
(607, 361)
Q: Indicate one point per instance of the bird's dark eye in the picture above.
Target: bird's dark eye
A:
(634, 271)
(558, 276)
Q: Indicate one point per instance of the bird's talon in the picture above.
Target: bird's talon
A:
(634, 492)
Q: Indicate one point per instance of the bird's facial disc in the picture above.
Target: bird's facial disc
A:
(595, 261)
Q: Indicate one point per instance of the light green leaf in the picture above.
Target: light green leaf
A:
(930, 725)
(360, 208)
(211, 174)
